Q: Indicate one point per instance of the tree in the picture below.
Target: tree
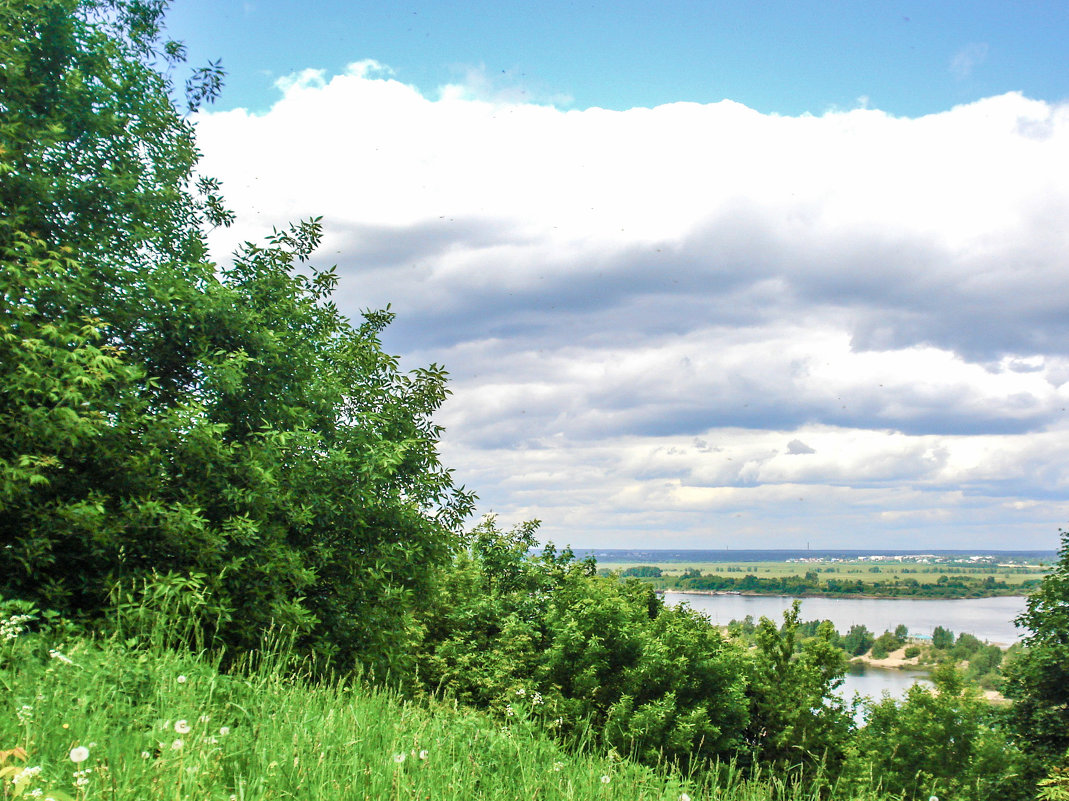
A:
(937, 742)
(1037, 679)
(159, 413)
(796, 720)
(942, 638)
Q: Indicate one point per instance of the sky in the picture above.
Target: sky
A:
(704, 274)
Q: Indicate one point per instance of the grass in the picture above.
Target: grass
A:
(156, 723)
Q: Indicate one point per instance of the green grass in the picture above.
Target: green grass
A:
(160, 724)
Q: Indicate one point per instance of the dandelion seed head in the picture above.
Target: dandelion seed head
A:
(181, 726)
(146, 755)
(399, 758)
(224, 731)
(605, 780)
(79, 754)
(181, 679)
(424, 754)
(684, 797)
(177, 744)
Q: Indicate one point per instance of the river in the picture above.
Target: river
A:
(988, 619)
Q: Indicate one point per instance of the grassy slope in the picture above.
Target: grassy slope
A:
(161, 725)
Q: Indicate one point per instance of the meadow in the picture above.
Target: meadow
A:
(127, 717)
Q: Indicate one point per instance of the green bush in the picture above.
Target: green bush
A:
(163, 414)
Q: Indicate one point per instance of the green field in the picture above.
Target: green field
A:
(866, 571)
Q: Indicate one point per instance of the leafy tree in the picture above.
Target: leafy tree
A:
(158, 413)
(653, 681)
(796, 720)
(942, 638)
(1037, 678)
(939, 742)
(858, 640)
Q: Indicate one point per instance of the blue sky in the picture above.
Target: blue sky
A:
(704, 275)
(785, 57)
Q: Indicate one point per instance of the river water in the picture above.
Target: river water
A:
(988, 619)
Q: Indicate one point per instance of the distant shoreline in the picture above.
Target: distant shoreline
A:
(856, 596)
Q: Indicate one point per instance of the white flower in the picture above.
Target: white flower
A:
(424, 754)
(146, 755)
(934, 798)
(224, 731)
(56, 654)
(24, 775)
(399, 758)
(558, 765)
(181, 679)
(684, 797)
(79, 754)
(181, 727)
(177, 744)
(605, 780)
(536, 699)
(204, 718)
(36, 792)
(521, 692)
(509, 710)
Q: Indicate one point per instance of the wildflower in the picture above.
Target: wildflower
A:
(24, 713)
(684, 797)
(509, 710)
(536, 699)
(56, 654)
(521, 692)
(224, 731)
(25, 775)
(79, 754)
(424, 754)
(399, 758)
(11, 628)
(181, 680)
(204, 718)
(605, 780)
(558, 766)
(934, 798)
(177, 744)
(181, 727)
(36, 792)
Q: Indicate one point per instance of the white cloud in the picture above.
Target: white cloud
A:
(699, 321)
(968, 59)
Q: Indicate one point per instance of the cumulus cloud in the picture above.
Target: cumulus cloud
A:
(610, 289)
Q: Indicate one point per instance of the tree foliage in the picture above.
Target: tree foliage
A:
(159, 413)
(1037, 679)
(655, 682)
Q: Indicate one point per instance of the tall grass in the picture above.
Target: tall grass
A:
(157, 723)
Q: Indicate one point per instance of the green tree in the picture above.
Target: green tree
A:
(160, 413)
(942, 638)
(1037, 678)
(938, 742)
(796, 719)
(653, 682)
(857, 640)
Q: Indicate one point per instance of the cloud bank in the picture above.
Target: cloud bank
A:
(697, 325)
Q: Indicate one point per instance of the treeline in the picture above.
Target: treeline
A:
(219, 445)
(980, 662)
(812, 584)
